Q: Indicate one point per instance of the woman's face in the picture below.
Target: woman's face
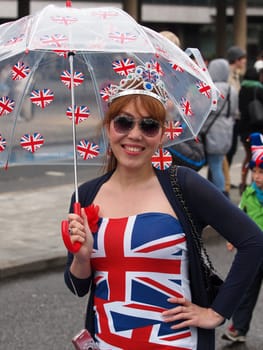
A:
(134, 148)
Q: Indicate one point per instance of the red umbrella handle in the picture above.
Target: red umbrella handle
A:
(72, 247)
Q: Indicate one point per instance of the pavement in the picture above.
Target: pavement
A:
(30, 227)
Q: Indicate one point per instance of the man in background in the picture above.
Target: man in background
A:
(237, 59)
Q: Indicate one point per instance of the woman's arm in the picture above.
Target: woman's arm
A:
(211, 207)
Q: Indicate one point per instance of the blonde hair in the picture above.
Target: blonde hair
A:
(171, 36)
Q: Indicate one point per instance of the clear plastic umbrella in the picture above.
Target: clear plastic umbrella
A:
(57, 68)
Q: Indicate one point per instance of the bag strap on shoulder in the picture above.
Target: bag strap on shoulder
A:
(206, 262)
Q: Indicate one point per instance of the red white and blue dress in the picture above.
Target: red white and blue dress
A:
(139, 262)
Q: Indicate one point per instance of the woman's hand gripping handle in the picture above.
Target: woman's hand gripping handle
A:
(71, 247)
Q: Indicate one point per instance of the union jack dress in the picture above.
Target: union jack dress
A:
(139, 262)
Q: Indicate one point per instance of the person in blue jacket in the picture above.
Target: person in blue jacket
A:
(140, 263)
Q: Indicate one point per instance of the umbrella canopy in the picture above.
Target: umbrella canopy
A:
(59, 64)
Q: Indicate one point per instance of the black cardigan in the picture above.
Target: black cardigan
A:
(208, 207)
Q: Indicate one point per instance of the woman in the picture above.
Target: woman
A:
(250, 87)
(142, 270)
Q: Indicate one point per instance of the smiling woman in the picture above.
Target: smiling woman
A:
(153, 110)
(142, 266)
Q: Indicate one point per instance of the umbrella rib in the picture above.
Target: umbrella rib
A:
(71, 65)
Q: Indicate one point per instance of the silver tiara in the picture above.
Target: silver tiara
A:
(144, 80)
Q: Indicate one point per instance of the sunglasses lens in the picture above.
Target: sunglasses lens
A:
(123, 124)
(150, 127)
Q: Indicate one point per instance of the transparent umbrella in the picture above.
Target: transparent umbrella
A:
(57, 68)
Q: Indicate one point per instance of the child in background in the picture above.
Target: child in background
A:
(252, 204)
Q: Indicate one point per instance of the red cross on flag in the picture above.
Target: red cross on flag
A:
(173, 129)
(55, 40)
(124, 66)
(87, 150)
(42, 98)
(66, 20)
(20, 71)
(65, 77)
(81, 113)
(162, 159)
(6, 105)
(2, 143)
(204, 88)
(186, 107)
(122, 38)
(32, 143)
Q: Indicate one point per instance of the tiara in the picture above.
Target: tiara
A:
(142, 80)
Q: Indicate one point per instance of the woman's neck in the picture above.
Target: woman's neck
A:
(127, 177)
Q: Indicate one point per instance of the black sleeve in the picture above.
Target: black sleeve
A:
(77, 286)
(211, 207)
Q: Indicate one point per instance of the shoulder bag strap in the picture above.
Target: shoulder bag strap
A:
(206, 262)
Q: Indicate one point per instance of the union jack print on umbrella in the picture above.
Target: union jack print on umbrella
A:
(6, 105)
(173, 129)
(122, 37)
(176, 67)
(87, 149)
(162, 159)
(42, 98)
(157, 67)
(124, 66)
(78, 78)
(2, 143)
(66, 20)
(105, 93)
(204, 88)
(15, 40)
(81, 113)
(32, 143)
(20, 71)
(55, 40)
(186, 107)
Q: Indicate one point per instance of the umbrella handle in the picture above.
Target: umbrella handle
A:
(72, 247)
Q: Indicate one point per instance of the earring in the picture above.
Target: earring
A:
(109, 150)
(162, 159)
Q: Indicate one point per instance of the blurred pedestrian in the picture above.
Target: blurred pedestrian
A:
(252, 204)
(250, 87)
(171, 36)
(218, 128)
(237, 59)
